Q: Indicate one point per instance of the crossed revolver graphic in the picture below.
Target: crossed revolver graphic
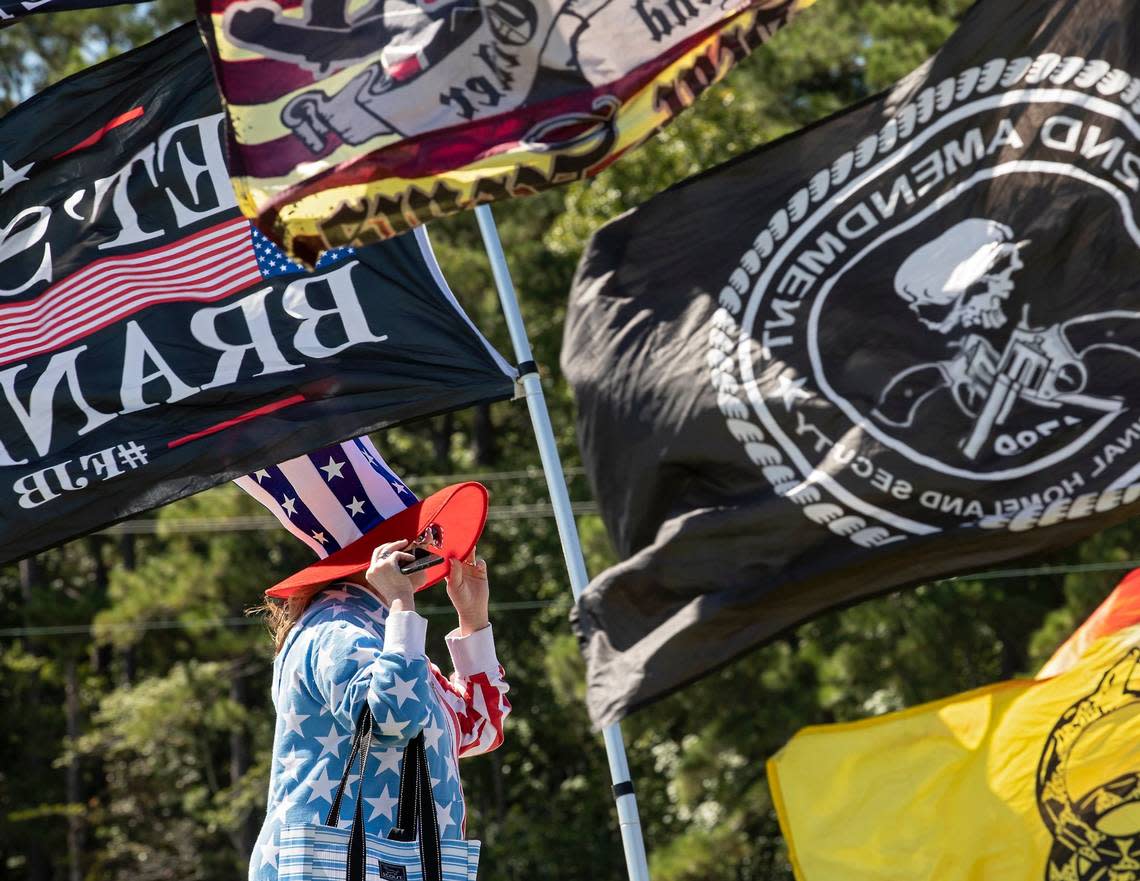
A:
(959, 284)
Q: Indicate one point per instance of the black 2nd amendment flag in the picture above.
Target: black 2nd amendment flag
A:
(152, 344)
(901, 344)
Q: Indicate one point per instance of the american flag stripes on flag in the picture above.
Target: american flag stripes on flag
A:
(204, 267)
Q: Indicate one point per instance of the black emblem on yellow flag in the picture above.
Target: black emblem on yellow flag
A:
(1087, 845)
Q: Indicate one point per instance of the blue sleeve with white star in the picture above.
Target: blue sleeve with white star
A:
(347, 665)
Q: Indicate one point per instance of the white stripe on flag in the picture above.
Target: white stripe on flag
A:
(190, 245)
(204, 267)
(153, 286)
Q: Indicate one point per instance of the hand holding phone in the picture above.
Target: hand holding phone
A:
(424, 559)
(424, 549)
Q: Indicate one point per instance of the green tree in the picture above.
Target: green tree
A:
(140, 748)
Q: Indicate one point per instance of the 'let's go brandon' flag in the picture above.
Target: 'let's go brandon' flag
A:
(152, 344)
(902, 344)
(1029, 780)
(352, 123)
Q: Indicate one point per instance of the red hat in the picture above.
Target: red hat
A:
(459, 510)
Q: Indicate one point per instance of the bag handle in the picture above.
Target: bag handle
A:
(415, 814)
(364, 721)
(406, 805)
(361, 745)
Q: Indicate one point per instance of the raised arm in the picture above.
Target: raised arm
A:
(477, 690)
(351, 666)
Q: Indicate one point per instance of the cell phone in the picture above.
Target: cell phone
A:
(424, 559)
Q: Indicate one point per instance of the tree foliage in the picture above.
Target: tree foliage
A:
(138, 726)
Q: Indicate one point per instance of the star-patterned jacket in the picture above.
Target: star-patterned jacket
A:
(347, 648)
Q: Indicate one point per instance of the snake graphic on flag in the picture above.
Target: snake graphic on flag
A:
(1083, 850)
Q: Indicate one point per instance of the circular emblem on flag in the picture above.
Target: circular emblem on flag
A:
(942, 328)
(1095, 836)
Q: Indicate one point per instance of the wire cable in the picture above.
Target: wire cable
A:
(266, 523)
(1073, 569)
(215, 623)
(531, 473)
(515, 606)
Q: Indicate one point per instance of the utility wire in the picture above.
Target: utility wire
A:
(531, 473)
(264, 523)
(1075, 568)
(215, 623)
(520, 605)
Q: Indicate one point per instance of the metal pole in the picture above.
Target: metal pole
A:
(630, 823)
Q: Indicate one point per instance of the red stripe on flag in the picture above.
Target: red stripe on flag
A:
(1120, 610)
(434, 151)
(205, 267)
(244, 417)
(111, 293)
(493, 699)
(96, 137)
(250, 80)
(406, 68)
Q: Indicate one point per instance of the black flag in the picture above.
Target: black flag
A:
(152, 344)
(900, 344)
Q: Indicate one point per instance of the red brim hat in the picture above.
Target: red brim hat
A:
(460, 510)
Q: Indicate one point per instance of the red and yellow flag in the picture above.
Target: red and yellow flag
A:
(1028, 780)
(351, 121)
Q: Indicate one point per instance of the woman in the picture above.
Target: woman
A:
(356, 641)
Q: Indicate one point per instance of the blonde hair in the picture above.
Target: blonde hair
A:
(282, 615)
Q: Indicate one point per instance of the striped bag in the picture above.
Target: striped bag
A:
(413, 850)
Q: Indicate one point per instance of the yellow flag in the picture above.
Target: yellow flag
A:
(1028, 780)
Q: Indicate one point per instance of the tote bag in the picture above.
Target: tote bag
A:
(413, 850)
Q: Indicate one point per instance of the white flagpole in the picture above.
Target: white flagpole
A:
(628, 819)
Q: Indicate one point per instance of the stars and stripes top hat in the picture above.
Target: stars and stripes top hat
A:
(343, 501)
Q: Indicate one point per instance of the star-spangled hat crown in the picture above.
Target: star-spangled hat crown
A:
(343, 501)
(329, 498)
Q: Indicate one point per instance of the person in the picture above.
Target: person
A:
(358, 641)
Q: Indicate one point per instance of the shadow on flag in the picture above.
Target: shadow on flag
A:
(901, 344)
